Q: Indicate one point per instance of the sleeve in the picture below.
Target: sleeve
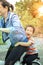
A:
(16, 24)
(17, 32)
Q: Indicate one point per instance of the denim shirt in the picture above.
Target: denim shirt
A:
(17, 32)
(1, 22)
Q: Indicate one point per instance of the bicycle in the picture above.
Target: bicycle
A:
(34, 62)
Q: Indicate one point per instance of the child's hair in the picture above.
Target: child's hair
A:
(31, 27)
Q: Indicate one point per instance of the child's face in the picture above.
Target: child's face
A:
(29, 32)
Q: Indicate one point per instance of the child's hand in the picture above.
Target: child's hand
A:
(31, 40)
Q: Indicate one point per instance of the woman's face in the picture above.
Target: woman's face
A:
(29, 32)
(2, 9)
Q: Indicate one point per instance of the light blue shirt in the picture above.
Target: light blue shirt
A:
(17, 32)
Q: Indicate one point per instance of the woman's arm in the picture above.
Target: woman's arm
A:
(5, 30)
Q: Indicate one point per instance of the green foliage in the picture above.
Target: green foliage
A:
(0, 17)
(1, 42)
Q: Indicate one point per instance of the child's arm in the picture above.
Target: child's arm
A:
(30, 42)
(24, 43)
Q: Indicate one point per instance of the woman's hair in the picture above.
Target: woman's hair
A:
(5, 3)
(31, 27)
(11, 6)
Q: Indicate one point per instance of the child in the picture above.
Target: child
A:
(31, 53)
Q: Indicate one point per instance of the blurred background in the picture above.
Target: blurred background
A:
(30, 12)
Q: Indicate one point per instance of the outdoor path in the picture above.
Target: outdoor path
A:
(4, 48)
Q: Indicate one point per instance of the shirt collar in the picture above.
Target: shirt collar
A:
(8, 16)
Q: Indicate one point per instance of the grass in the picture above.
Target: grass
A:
(1, 42)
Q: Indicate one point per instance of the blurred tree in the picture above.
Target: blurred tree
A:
(24, 8)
